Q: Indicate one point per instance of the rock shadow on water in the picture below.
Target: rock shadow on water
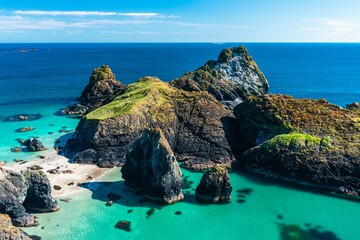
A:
(127, 196)
(297, 232)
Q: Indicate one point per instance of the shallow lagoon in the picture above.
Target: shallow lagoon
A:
(262, 207)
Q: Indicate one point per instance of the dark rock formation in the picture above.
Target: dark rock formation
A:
(101, 89)
(151, 167)
(9, 232)
(77, 109)
(231, 79)
(38, 197)
(34, 145)
(21, 192)
(214, 186)
(311, 143)
(195, 124)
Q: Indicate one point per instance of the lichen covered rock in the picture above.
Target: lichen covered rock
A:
(9, 232)
(306, 142)
(214, 186)
(151, 167)
(194, 123)
(231, 79)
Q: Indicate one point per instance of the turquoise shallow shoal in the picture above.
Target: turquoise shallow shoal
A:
(257, 216)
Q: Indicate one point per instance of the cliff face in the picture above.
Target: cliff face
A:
(101, 89)
(151, 167)
(192, 122)
(302, 141)
(231, 79)
(27, 191)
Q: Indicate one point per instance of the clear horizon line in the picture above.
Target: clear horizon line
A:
(210, 42)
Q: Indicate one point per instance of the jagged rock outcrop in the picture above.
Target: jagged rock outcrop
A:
(214, 186)
(21, 192)
(9, 232)
(306, 142)
(101, 89)
(231, 79)
(151, 167)
(38, 197)
(34, 145)
(195, 124)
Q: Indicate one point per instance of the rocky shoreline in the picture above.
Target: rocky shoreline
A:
(212, 119)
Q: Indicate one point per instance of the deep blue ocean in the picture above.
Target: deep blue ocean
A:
(59, 72)
(43, 78)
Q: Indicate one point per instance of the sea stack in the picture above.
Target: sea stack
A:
(101, 89)
(231, 79)
(214, 186)
(151, 168)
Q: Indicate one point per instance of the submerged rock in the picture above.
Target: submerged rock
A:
(306, 142)
(34, 145)
(24, 129)
(22, 192)
(231, 79)
(195, 124)
(9, 232)
(123, 225)
(214, 186)
(101, 89)
(151, 167)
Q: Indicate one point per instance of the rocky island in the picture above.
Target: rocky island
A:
(192, 122)
(218, 114)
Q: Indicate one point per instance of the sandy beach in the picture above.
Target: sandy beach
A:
(64, 174)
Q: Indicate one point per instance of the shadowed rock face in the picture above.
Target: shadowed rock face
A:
(22, 192)
(38, 197)
(194, 123)
(214, 186)
(101, 89)
(151, 167)
(231, 79)
(306, 142)
(9, 232)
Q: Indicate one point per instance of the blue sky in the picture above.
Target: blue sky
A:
(180, 21)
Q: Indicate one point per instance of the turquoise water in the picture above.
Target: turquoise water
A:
(87, 217)
(46, 129)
